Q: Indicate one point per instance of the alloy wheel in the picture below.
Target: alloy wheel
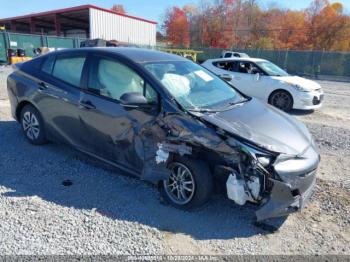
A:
(180, 186)
(30, 125)
(281, 100)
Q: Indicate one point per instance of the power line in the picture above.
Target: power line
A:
(276, 29)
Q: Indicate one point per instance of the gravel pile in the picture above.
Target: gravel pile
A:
(334, 199)
(55, 200)
(330, 138)
(4, 71)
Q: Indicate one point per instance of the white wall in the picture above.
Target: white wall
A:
(111, 26)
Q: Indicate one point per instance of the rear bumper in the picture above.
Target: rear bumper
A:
(13, 102)
(284, 200)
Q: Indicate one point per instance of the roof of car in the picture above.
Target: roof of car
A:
(137, 55)
(234, 52)
(251, 59)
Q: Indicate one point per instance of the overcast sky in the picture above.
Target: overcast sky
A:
(148, 9)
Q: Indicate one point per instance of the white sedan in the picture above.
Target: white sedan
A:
(264, 80)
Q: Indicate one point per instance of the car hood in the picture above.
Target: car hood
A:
(264, 126)
(306, 84)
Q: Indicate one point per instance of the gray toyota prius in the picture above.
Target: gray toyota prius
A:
(169, 121)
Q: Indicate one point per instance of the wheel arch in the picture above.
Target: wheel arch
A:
(280, 90)
(21, 105)
(19, 108)
(195, 156)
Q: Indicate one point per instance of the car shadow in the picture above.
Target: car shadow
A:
(65, 177)
(298, 112)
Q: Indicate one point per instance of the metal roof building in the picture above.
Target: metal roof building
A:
(86, 21)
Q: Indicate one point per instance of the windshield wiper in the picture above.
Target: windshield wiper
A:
(206, 110)
(239, 102)
(203, 110)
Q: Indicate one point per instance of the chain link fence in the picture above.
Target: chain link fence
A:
(29, 42)
(313, 64)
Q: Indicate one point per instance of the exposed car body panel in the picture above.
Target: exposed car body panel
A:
(262, 127)
(282, 202)
(144, 140)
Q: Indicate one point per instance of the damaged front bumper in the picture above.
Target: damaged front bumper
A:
(284, 200)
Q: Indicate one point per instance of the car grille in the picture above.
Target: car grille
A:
(316, 101)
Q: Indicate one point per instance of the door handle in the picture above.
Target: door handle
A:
(86, 105)
(42, 86)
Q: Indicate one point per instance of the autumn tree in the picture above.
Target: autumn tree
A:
(327, 25)
(118, 9)
(176, 27)
(194, 17)
(244, 24)
(218, 24)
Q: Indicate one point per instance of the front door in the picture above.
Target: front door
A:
(247, 81)
(108, 128)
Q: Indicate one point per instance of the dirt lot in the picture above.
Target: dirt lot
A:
(106, 213)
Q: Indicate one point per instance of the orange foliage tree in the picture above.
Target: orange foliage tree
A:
(328, 26)
(177, 27)
(243, 24)
(118, 9)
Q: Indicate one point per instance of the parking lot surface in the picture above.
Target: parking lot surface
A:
(103, 212)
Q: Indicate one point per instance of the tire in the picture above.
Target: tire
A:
(32, 125)
(282, 100)
(202, 184)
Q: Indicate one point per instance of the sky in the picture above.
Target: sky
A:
(149, 9)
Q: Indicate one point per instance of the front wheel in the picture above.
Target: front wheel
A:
(189, 184)
(282, 100)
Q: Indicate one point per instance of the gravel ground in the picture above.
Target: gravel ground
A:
(106, 213)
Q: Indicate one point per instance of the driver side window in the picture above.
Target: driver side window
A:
(248, 68)
(113, 79)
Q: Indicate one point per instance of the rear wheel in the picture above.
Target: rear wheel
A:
(189, 184)
(282, 100)
(33, 125)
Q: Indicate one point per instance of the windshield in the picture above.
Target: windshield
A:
(194, 87)
(272, 69)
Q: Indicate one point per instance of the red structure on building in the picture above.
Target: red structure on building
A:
(74, 21)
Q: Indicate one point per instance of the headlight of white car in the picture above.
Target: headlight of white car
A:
(296, 86)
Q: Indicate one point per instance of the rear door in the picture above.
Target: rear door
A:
(109, 129)
(59, 93)
(229, 67)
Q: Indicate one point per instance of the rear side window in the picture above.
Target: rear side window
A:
(69, 69)
(48, 64)
(227, 55)
(227, 65)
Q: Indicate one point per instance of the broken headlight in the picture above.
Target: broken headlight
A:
(258, 156)
(264, 160)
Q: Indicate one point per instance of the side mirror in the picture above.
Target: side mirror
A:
(226, 77)
(133, 99)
